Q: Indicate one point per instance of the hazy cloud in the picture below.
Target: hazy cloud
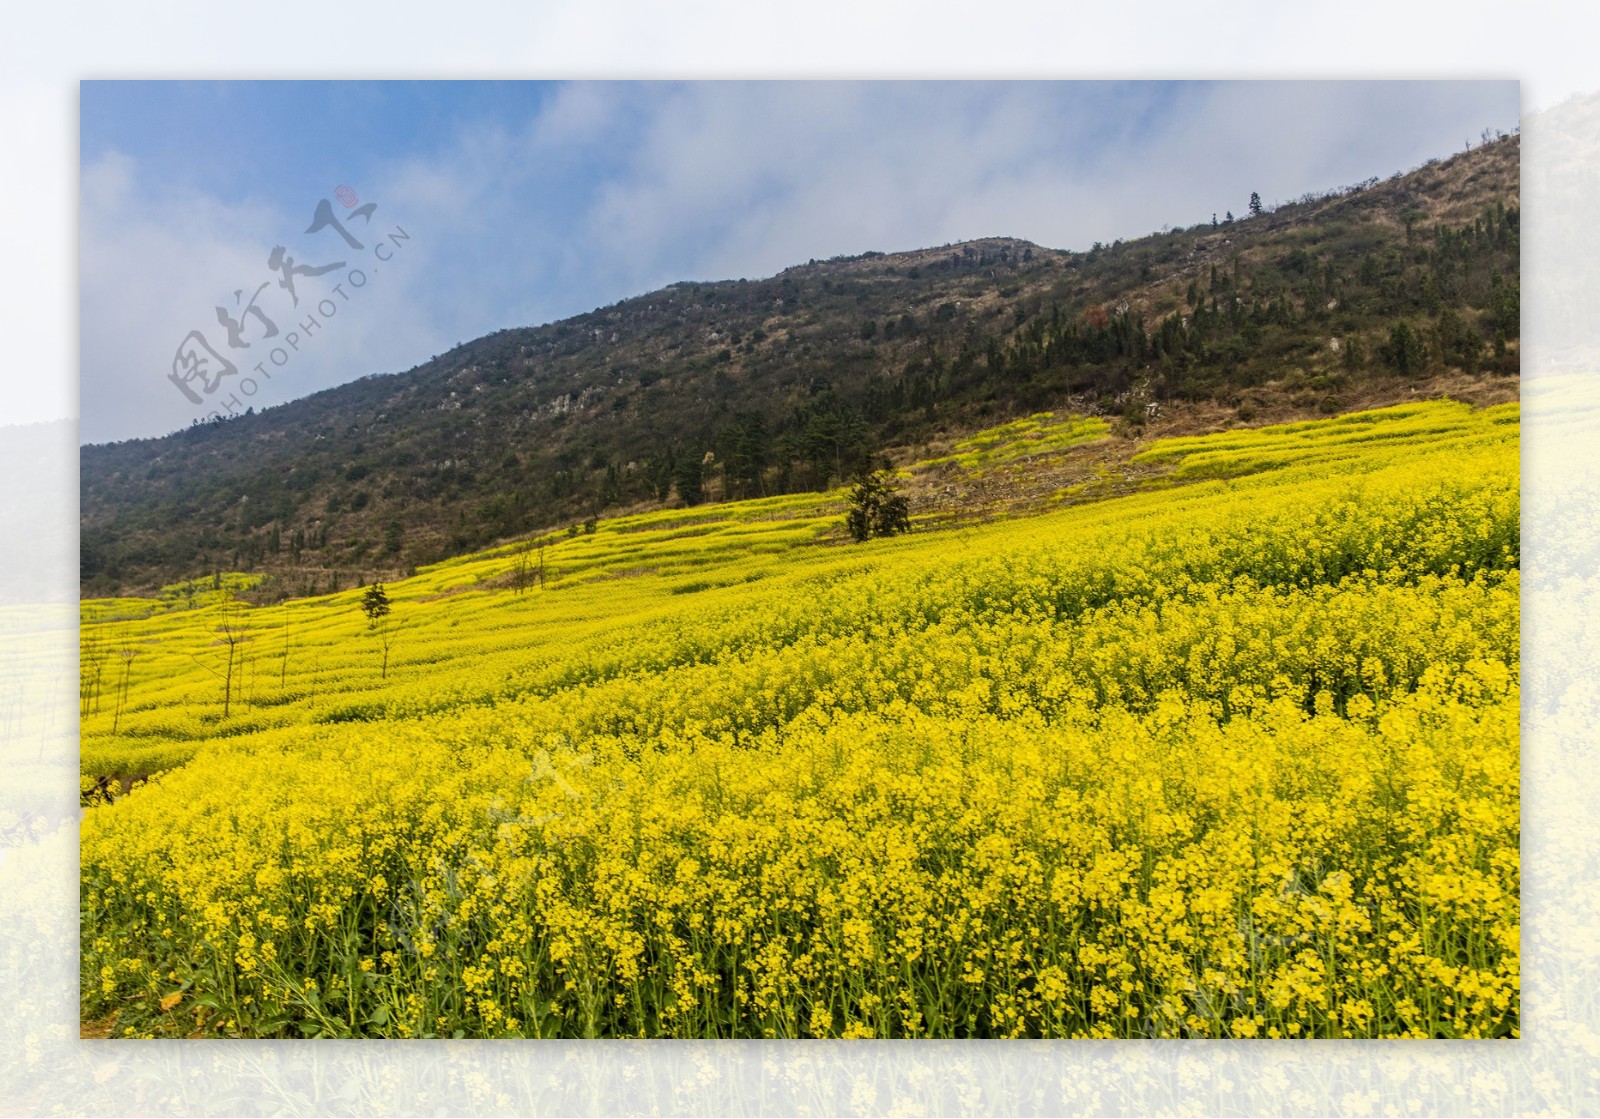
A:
(155, 266)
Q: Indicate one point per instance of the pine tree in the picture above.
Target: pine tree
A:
(689, 476)
(1404, 351)
(375, 605)
(876, 509)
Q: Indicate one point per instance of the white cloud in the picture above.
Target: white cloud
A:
(155, 266)
(746, 182)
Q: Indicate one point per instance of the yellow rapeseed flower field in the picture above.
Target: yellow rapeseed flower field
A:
(1233, 756)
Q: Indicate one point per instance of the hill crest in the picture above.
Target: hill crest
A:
(791, 382)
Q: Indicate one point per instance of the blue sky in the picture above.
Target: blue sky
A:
(280, 139)
(523, 202)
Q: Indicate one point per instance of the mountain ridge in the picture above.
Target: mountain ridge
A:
(707, 389)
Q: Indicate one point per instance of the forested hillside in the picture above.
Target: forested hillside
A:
(762, 387)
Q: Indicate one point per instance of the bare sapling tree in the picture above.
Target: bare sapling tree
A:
(128, 652)
(527, 565)
(521, 566)
(232, 634)
(283, 672)
(92, 662)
